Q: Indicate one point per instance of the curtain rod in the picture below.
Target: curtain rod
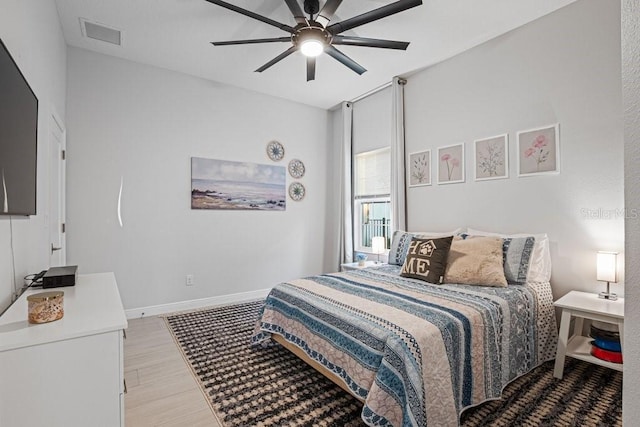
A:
(371, 92)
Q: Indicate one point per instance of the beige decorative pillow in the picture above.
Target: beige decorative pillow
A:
(476, 261)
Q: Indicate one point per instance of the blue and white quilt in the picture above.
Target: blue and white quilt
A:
(417, 354)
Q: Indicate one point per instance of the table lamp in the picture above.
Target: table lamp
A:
(378, 246)
(607, 271)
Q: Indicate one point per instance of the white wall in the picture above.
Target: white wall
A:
(144, 124)
(563, 68)
(32, 33)
(631, 95)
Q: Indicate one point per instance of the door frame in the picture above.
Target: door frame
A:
(60, 206)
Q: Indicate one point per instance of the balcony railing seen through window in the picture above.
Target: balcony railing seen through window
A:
(376, 227)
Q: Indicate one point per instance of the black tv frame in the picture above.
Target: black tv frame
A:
(35, 153)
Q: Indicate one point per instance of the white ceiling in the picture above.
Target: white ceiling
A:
(175, 34)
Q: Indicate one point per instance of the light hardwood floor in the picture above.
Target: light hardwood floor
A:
(161, 391)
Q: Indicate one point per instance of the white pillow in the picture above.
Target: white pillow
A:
(439, 233)
(540, 263)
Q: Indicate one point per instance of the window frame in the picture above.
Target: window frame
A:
(359, 200)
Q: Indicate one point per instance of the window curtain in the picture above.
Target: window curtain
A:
(398, 193)
(345, 252)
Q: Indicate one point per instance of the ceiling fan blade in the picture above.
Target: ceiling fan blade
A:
(344, 59)
(374, 15)
(277, 58)
(296, 10)
(362, 41)
(253, 15)
(252, 41)
(311, 68)
(329, 8)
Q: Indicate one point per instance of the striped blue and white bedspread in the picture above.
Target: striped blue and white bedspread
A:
(417, 354)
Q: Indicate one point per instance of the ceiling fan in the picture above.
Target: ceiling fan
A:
(313, 35)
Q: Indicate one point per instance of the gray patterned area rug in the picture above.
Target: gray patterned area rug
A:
(271, 387)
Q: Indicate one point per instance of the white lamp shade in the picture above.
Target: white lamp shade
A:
(607, 270)
(377, 244)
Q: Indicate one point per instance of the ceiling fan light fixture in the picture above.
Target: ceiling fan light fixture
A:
(312, 47)
(311, 40)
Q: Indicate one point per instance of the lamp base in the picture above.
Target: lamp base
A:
(607, 295)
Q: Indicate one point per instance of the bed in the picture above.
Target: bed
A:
(414, 353)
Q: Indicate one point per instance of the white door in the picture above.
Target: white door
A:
(57, 142)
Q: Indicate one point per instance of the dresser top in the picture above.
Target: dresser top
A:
(93, 306)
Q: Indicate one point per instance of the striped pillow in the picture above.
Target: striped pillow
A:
(399, 247)
(516, 254)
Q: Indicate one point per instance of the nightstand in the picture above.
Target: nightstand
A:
(354, 265)
(584, 305)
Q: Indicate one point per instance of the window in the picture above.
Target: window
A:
(372, 203)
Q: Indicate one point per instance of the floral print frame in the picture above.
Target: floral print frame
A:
(451, 164)
(491, 158)
(539, 151)
(419, 168)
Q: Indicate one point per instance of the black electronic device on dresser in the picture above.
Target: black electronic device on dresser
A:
(56, 277)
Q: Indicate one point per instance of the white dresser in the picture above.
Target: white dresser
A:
(69, 372)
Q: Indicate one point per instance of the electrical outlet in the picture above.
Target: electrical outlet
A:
(189, 280)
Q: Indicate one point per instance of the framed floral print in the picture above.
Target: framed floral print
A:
(539, 151)
(420, 168)
(451, 164)
(491, 158)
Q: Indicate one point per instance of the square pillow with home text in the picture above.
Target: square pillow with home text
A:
(427, 259)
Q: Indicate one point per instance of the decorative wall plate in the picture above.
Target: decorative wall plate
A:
(275, 151)
(296, 168)
(296, 191)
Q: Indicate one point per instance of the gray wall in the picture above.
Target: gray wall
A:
(144, 124)
(32, 33)
(563, 68)
(631, 94)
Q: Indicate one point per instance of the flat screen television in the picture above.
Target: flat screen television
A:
(18, 139)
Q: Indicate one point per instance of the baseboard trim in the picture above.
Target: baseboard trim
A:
(154, 310)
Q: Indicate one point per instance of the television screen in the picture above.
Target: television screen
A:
(18, 139)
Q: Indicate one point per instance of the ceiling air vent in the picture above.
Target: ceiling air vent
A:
(96, 31)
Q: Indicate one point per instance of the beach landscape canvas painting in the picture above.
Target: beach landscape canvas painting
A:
(228, 185)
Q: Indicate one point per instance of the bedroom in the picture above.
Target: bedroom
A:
(178, 116)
